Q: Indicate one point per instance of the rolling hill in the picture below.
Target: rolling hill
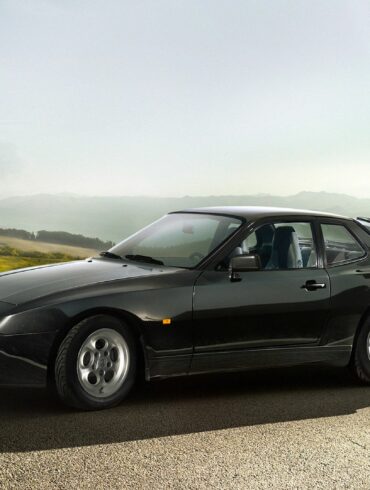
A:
(114, 218)
(33, 246)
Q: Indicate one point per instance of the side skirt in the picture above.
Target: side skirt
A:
(250, 359)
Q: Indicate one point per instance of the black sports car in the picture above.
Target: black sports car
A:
(201, 290)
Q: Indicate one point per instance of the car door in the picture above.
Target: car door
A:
(286, 303)
(347, 261)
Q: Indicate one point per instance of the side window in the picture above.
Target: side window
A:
(282, 245)
(340, 245)
(250, 243)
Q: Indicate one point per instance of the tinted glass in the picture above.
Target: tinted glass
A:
(281, 246)
(365, 224)
(340, 244)
(179, 240)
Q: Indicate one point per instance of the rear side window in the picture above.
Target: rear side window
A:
(340, 245)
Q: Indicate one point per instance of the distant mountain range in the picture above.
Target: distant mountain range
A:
(114, 218)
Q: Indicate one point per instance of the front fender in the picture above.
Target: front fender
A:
(166, 347)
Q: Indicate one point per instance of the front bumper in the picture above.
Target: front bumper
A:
(5, 307)
(24, 358)
(26, 342)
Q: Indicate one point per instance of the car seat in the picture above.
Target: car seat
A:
(286, 253)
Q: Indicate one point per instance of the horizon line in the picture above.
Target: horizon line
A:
(185, 196)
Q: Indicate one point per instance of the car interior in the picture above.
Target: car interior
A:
(291, 246)
(280, 246)
(340, 244)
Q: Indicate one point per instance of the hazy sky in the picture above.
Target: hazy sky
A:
(183, 97)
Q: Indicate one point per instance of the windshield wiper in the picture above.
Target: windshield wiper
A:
(144, 258)
(110, 255)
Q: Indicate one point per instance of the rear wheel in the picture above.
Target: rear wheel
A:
(95, 366)
(360, 362)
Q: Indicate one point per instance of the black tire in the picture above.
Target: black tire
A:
(68, 385)
(360, 362)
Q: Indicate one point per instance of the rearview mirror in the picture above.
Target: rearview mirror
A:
(243, 263)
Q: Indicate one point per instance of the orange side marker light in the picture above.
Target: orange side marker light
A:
(166, 321)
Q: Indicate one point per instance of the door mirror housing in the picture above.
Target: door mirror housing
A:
(243, 263)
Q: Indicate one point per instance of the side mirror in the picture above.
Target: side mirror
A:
(243, 263)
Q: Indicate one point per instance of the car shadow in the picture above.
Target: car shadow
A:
(32, 420)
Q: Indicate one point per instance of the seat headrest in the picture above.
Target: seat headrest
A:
(283, 237)
(265, 234)
(285, 249)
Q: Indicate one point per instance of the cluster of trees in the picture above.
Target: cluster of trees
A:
(64, 238)
(59, 237)
(23, 234)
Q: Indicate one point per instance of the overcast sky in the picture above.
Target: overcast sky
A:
(176, 97)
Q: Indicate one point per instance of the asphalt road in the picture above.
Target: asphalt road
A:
(280, 429)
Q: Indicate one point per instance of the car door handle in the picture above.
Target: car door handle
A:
(313, 285)
(364, 272)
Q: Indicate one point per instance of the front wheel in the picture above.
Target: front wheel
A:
(95, 366)
(360, 362)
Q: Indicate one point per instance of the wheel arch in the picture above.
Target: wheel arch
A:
(365, 316)
(132, 321)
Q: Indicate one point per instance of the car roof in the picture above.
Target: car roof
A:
(258, 212)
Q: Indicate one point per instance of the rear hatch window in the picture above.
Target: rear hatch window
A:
(365, 223)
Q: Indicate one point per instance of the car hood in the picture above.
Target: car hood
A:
(20, 286)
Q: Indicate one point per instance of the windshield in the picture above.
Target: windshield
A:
(178, 240)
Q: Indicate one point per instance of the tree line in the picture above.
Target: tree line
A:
(58, 237)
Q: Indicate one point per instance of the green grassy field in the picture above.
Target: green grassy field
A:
(36, 246)
(9, 263)
(12, 258)
(17, 254)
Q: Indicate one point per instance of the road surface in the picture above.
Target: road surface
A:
(295, 428)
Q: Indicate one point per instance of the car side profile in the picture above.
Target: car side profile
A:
(198, 291)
